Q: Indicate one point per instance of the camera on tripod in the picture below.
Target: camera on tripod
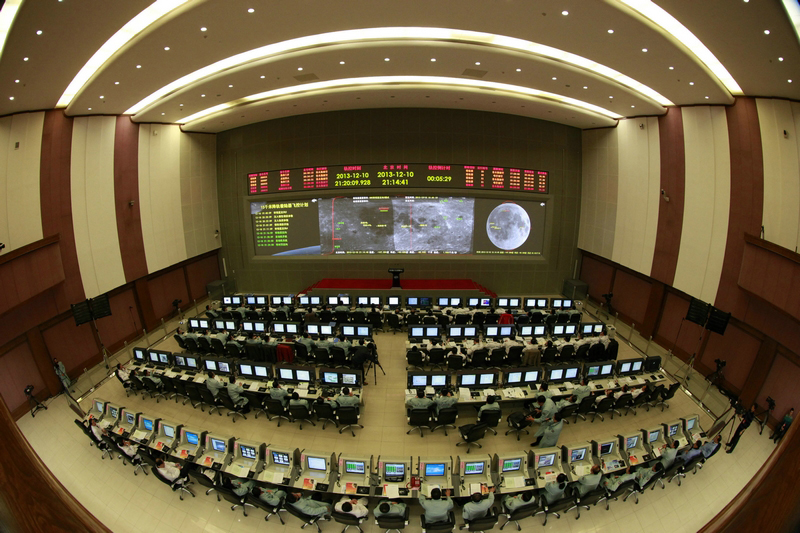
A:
(176, 303)
(720, 364)
(770, 403)
(29, 390)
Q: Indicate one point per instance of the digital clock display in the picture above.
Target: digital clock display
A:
(391, 175)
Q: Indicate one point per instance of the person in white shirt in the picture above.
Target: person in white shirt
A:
(97, 431)
(601, 397)
(637, 392)
(131, 450)
(170, 471)
(354, 506)
(476, 345)
(623, 390)
(123, 374)
(508, 343)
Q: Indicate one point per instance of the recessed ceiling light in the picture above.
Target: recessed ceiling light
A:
(251, 10)
(16, 81)
(24, 58)
(386, 59)
(341, 62)
(585, 87)
(780, 59)
(101, 97)
(565, 12)
(691, 83)
(611, 96)
(262, 76)
(633, 106)
(478, 63)
(162, 114)
(433, 60)
(203, 28)
(299, 68)
(202, 96)
(672, 68)
(644, 49)
(707, 97)
(138, 66)
(790, 81)
(181, 105)
(766, 32)
(116, 83)
(554, 78)
(39, 32)
(11, 98)
(610, 31)
(746, 1)
(230, 86)
(519, 70)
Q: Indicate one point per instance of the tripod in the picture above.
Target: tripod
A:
(374, 364)
(34, 404)
(719, 426)
(716, 377)
(763, 421)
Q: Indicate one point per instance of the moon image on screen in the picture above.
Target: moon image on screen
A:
(508, 226)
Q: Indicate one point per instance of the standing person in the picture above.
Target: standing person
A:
(549, 432)
(61, 372)
(747, 419)
(780, 431)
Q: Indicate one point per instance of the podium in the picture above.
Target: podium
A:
(395, 272)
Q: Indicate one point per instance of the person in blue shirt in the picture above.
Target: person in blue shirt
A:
(307, 505)
(520, 499)
(711, 447)
(490, 405)
(435, 508)
(389, 508)
(692, 452)
(477, 507)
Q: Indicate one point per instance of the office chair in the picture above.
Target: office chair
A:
(254, 352)
(602, 407)
(480, 358)
(301, 352)
(655, 396)
(126, 385)
(256, 403)
(567, 353)
(478, 318)
(348, 417)
(176, 486)
(275, 409)
(306, 518)
(497, 357)
(455, 362)
(325, 413)
(217, 347)
(584, 408)
(153, 390)
(482, 524)
(208, 399)
(626, 488)
(517, 423)
(430, 320)
(300, 413)
(582, 353)
(514, 357)
(471, 434)
(393, 523)
(348, 520)
(569, 410)
(612, 350)
(667, 395)
(271, 510)
(280, 316)
(562, 318)
(180, 390)
(520, 513)
(675, 471)
(523, 319)
(412, 320)
(326, 316)
(376, 320)
(110, 447)
(437, 358)
(651, 484)
(443, 320)
(623, 402)
(418, 419)
(438, 527)
(549, 320)
(461, 319)
(446, 419)
(203, 345)
(393, 320)
(491, 417)
(252, 315)
(203, 480)
(693, 464)
(596, 352)
(549, 355)
(232, 350)
(491, 318)
(233, 409)
(322, 357)
(191, 345)
(297, 316)
(639, 401)
(537, 317)
(587, 500)
(414, 359)
(339, 357)
(564, 504)
(180, 342)
(266, 316)
(228, 315)
(236, 501)
(341, 317)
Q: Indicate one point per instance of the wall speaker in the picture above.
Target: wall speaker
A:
(698, 311)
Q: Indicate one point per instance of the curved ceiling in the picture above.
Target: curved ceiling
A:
(212, 65)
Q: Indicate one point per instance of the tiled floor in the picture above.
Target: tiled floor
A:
(127, 503)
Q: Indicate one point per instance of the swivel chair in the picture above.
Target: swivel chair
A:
(418, 419)
(348, 417)
(471, 434)
(438, 527)
(446, 419)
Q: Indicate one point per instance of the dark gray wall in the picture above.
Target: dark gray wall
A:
(401, 135)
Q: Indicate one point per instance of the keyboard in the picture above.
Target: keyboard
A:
(262, 389)
(475, 394)
(246, 386)
(190, 373)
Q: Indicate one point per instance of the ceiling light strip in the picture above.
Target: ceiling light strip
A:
(375, 81)
(7, 16)
(131, 29)
(400, 34)
(694, 46)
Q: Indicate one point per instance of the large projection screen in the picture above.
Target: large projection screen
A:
(399, 225)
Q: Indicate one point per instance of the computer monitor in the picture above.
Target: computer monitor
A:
(130, 418)
(192, 438)
(455, 332)
(179, 360)
(218, 445)
(191, 362)
(245, 369)
(541, 303)
(312, 329)
(147, 423)
(539, 330)
(248, 326)
(348, 331)
(286, 300)
(293, 328)
(248, 452)
(566, 304)
(558, 329)
(230, 325)
(412, 301)
(362, 331)
(443, 302)
(163, 358)
(624, 367)
(280, 458)
(319, 464)
(326, 329)
(556, 303)
(556, 374)
(438, 380)
(571, 373)
(261, 300)
(598, 328)
(224, 367)
(473, 302)
(393, 301)
(511, 465)
(432, 331)
(487, 379)
(593, 371)
(636, 366)
(434, 469)
(525, 330)
(194, 323)
(354, 467)
(491, 331)
(673, 430)
(417, 332)
(690, 423)
(577, 455)
(278, 327)
(486, 302)
(513, 378)
(570, 329)
(236, 300)
(631, 442)
(113, 411)
(286, 373)
(531, 376)
(303, 375)
(333, 300)
(305, 300)
(251, 300)
(219, 325)
(470, 332)
(530, 303)
(211, 365)
(587, 329)
(506, 331)
(467, 380)
(227, 300)
(606, 448)
(374, 300)
(330, 378)
(546, 460)
(475, 467)
(349, 379)
(344, 299)
(502, 302)
(419, 380)
(261, 327)
(261, 371)
(203, 323)
(153, 355)
(654, 435)
(394, 472)
(455, 301)
(169, 431)
(606, 370)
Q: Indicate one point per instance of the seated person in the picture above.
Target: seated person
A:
(545, 410)
(389, 508)
(297, 401)
(490, 405)
(435, 508)
(278, 393)
(253, 339)
(582, 391)
(711, 447)
(644, 475)
(307, 505)
(172, 472)
(348, 399)
(241, 487)
(342, 342)
(154, 379)
(97, 431)
(608, 394)
(354, 506)
(213, 384)
(477, 507)
(637, 391)
(566, 402)
(324, 343)
(131, 450)
(668, 454)
(589, 482)
(613, 481)
(520, 499)
(692, 452)
(444, 400)
(270, 496)
(123, 374)
(623, 390)
(306, 341)
(235, 391)
(420, 401)
(544, 390)
(554, 490)
(328, 401)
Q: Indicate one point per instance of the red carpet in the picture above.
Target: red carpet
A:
(407, 284)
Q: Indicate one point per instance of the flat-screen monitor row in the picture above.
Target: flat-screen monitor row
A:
(425, 331)
(505, 302)
(345, 377)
